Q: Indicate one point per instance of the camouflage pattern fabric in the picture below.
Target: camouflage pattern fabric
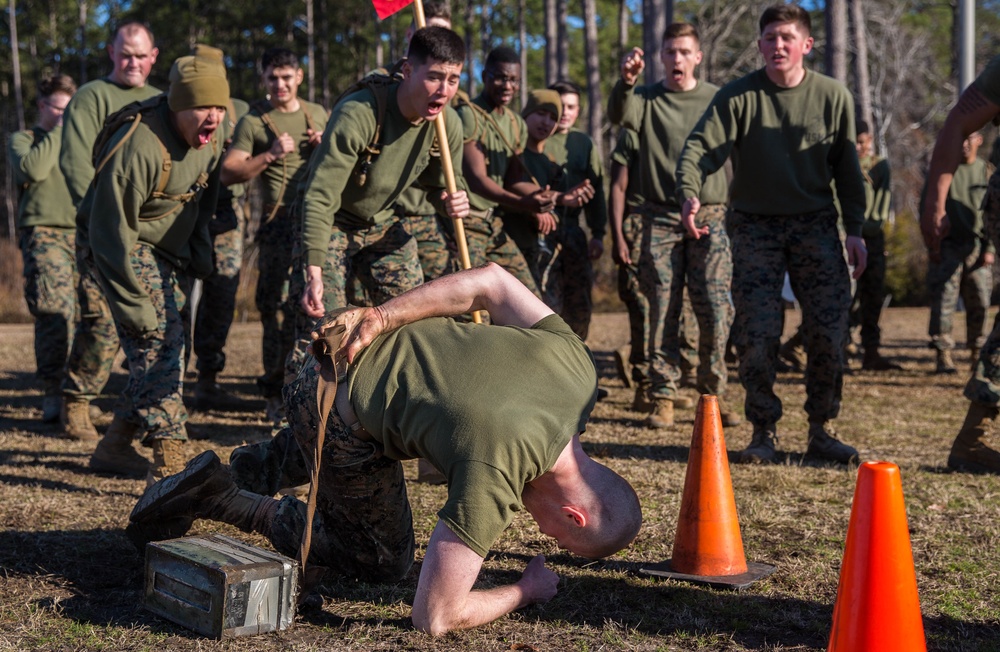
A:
(869, 293)
(363, 526)
(217, 305)
(635, 301)
(95, 340)
(809, 247)
(152, 397)
(566, 280)
(437, 258)
(959, 272)
(364, 266)
(669, 261)
(50, 292)
(984, 385)
(489, 243)
(687, 338)
(277, 308)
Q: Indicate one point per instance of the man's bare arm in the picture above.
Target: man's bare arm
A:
(616, 213)
(445, 599)
(240, 166)
(474, 170)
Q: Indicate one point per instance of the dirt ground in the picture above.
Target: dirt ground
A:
(70, 580)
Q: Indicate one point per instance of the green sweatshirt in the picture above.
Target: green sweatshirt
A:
(122, 212)
(787, 145)
(44, 198)
(253, 136)
(236, 190)
(502, 134)
(83, 120)
(664, 118)
(627, 154)
(332, 189)
(878, 194)
(576, 152)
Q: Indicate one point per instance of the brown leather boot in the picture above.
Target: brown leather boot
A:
(75, 418)
(663, 414)
(945, 364)
(641, 402)
(168, 459)
(730, 418)
(115, 454)
(969, 452)
(682, 402)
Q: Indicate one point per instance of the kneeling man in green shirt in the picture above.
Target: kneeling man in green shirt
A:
(505, 440)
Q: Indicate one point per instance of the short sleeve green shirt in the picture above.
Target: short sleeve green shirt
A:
(501, 132)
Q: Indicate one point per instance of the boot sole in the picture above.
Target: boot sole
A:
(199, 469)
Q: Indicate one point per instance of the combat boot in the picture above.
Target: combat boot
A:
(761, 449)
(969, 452)
(623, 367)
(682, 402)
(209, 394)
(51, 408)
(75, 418)
(873, 361)
(115, 454)
(663, 414)
(168, 459)
(945, 365)
(641, 403)
(202, 489)
(824, 445)
(973, 357)
(729, 418)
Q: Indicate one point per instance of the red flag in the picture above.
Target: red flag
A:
(386, 8)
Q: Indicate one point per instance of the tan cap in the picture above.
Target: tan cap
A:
(198, 79)
(543, 99)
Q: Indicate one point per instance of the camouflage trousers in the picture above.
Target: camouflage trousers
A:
(275, 303)
(217, 305)
(687, 338)
(50, 292)
(488, 242)
(635, 301)
(363, 526)
(565, 277)
(437, 258)
(984, 385)
(95, 340)
(809, 248)
(671, 261)
(152, 397)
(960, 272)
(869, 293)
(364, 266)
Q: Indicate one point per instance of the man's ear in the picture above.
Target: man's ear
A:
(578, 514)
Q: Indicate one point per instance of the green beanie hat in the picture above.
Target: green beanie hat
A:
(198, 79)
(543, 100)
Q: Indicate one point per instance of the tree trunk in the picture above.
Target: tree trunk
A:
(623, 16)
(836, 39)
(15, 61)
(311, 50)
(863, 88)
(551, 43)
(522, 48)
(654, 22)
(562, 17)
(470, 29)
(595, 104)
(324, 53)
(83, 43)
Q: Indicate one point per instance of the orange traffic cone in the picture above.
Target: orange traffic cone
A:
(708, 548)
(877, 604)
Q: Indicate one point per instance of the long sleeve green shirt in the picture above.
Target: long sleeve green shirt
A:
(83, 120)
(878, 194)
(332, 189)
(501, 133)
(235, 190)
(576, 152)
(44, 197)
(123, 211)
(664, 118)
(787, 145)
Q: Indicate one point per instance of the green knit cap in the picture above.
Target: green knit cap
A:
(198, 79)
(543, 99)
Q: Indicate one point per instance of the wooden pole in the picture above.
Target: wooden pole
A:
(449, 170)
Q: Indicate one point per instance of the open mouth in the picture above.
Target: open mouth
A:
(434, 108)
(677, 74)
(205, 136)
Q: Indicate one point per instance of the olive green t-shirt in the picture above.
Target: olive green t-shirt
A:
(84, 117)
(787, 145)
(576, 152)
(332, 187)
(502, 134)
(121, 211)
(964, 206)
(878, 194)
(492, 407)
(626, 153)
(664, 118)
(253, 136)
(240, 108)
(44, 197)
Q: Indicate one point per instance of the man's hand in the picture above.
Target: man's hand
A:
(620, 253)
(361, 327)
(312, 298)
(577, 196)
(545, 223)
(857, 255)
(988, 259)
(632, 65)
(538, 583)
(595, 249)
(540, 201)
(456, 205)
(313, 137)
(282, 146)
(688, 212)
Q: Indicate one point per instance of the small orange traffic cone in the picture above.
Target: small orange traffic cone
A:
(708, 548)
(877, 604)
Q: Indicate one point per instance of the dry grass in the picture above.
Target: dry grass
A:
(69, 580)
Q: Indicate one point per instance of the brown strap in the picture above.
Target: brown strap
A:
(119, 144)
